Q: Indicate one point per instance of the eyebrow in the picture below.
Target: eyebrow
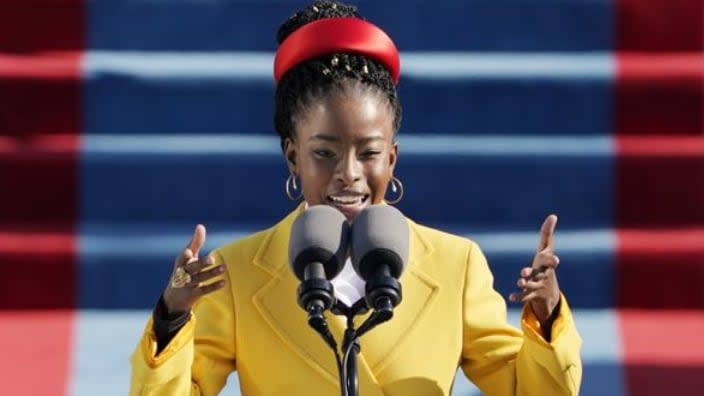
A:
(333, 138)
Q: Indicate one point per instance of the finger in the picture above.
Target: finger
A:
(546, 233)
(534, 273)
(517, 296)
(193, 247)
(204, 276)
(529, 296)
(528, 285)
(197, 240)
(540, 273)
(523, 296)
(195, 265)
(184, 257)
(209, 288)
(546, 258)
(531, 283)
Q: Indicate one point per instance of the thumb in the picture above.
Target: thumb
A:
(547, 230)
(198, 240)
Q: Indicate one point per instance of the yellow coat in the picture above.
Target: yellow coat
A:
(450, 317)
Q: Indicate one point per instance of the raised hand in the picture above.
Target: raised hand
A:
(186, 283)
(539, 282)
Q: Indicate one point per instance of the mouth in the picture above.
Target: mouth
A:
(350, 204)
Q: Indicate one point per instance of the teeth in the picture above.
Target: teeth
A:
(346, 200)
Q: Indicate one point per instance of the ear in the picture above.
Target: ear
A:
(291, 155)
(393, 157)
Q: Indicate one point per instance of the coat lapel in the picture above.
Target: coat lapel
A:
(382, 345)
(276, 302)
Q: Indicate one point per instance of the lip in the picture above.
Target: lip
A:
(350, 210)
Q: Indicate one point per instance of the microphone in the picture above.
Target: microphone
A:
(380, 242)
(316, 253)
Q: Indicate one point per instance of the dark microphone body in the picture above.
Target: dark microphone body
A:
(380, 242)
(317, 252)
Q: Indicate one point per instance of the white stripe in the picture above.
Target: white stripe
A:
(433, 65)
(508, 65)
(175, 65)
(506, 145)
(591, 241)
(181, 145)
(239, 144)
(100, 240)
(105, 341)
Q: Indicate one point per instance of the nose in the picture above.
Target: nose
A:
(349, 170)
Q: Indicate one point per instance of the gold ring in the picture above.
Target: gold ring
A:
(181, 278)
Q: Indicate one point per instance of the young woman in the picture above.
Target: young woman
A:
(337, 113)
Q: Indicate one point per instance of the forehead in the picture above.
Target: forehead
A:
(348, 115)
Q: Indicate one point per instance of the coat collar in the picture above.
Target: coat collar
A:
(276, 302)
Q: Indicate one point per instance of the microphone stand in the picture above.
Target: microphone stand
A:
(316, 294)
(349, 376)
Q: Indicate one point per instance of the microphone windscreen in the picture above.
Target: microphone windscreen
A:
(319, 235)
(380, 235)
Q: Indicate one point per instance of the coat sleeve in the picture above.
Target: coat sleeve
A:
(198, 359)
(500, 359)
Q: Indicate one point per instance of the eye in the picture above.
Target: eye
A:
(324, 153)
(370, 154)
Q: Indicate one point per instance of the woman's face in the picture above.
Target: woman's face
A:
(343, 150)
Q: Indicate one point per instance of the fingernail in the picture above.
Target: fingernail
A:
(209, 260)
(221, 268)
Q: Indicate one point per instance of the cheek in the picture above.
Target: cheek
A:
(315, 176)
(378, 177)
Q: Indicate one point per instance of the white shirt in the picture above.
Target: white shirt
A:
(349, 287)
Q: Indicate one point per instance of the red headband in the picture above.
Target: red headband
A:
(331, 35)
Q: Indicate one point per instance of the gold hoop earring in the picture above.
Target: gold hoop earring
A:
(396, 187)
(291, 182)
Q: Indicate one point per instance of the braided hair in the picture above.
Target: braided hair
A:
(320, 76)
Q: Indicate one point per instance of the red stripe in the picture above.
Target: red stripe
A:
(657, 25)
(38, 145)
(39, 268)
(41, 65)
(36, 348)
(26, 242)
(40, 94)
(666, 337)
(661, 268)
(661, 146)
(663, 351)
(646, 67)
(660, 94)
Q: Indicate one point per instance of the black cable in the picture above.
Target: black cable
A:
(349, 386)
(348, 382)
(340, 374)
